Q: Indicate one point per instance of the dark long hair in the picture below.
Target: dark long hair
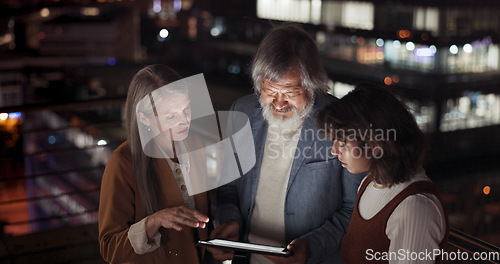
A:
(142, 85)
(368, 111)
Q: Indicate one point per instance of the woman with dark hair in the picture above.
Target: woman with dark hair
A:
(398, 213)
(145, 213)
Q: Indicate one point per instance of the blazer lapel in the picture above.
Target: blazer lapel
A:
(259, 132)
(304, 145)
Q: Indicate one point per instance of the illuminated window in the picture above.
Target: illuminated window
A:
(492, 57)
(426, 19)
(305, 11)
(472, 110)
(358, 15)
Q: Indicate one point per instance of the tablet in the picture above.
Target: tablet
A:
(246, 247)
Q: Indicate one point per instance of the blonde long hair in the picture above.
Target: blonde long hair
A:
(144, 82)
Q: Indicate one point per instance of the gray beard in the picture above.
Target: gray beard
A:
(290, 124)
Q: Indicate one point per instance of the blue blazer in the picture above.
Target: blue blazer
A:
(320, 195)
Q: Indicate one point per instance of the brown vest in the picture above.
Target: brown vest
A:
(370, 234)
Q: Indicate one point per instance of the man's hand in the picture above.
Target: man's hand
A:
(299, 249)
(230, 230)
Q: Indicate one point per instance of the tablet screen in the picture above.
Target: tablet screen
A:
(254, 248)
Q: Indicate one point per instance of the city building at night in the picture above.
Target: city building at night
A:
(65, 67)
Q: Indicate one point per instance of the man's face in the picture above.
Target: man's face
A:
(284, 95)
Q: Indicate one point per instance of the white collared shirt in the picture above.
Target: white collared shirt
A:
(181, 172)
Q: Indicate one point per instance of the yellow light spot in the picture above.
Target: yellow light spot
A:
(4, 116)
(90, 11)
(45, 12)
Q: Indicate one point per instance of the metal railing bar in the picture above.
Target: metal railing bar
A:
(62, 150)
(43, 197)
(472, 252)
(65, 106)
(48, 174)
(54, 217)
(97, 124)
(471, 244)
(473, 241)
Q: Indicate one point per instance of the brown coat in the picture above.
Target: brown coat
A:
(121, 206)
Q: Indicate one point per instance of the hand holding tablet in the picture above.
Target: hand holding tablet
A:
(229, 230)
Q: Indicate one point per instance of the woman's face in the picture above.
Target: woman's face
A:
(352, 156)
(173, 119)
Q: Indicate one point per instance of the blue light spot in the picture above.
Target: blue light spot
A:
(52, 140)
(112, 61)
(15, 115)
(234, 69)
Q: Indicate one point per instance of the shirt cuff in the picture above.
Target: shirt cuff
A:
(138, 238)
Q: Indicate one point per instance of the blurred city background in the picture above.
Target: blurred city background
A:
(65, 66)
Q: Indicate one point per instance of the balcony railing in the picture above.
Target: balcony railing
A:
(475, 250)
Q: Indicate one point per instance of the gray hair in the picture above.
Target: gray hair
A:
(284, 47)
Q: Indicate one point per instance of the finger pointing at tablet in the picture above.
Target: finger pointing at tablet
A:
(175, 218)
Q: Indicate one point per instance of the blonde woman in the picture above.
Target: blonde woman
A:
(145, 213)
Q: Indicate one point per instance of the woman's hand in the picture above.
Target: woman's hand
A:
(175, 218)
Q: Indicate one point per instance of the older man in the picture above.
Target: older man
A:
(297, 194)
